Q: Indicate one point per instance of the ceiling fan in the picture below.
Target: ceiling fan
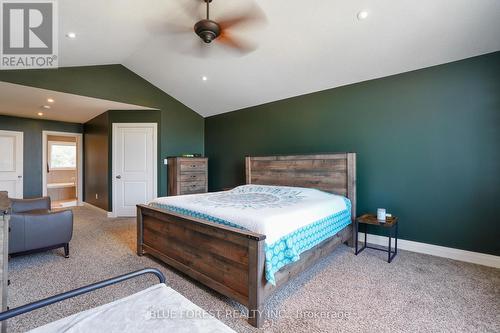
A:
(220, 31)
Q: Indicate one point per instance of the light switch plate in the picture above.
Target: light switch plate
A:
(165, 161)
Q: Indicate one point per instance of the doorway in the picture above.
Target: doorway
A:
(11, 163)
(134, 166)
(62, 168)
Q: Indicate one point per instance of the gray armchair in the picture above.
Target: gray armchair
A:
(34, 227)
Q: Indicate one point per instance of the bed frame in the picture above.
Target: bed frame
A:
(77, 292)
(230, 260)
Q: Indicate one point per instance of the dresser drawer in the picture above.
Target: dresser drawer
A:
(187, 175)
(193, 177)
(193, 187)
(193, 166)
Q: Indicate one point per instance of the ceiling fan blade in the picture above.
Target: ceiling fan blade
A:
(236, 44)
(201, 49)
(194, 48)
(162, 28)
(177, 28)
(252, 15)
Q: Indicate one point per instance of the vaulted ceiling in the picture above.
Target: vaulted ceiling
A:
(29, 102)
(305, 46)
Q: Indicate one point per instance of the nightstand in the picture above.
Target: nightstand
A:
(391, 223)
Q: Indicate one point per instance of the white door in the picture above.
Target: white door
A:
(11, 163)
(134, 167)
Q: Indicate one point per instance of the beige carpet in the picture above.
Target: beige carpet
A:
(343, 293)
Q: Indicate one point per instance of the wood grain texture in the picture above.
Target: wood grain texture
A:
(231, 260)
(62, 193)
(334, 173)
(187, 175)
(4, 201)
(256, 283)
(216, 255)
(307, 259)
(351, 191)
(372, 219)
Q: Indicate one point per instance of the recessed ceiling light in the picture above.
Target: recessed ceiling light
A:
(46, 107)
(71, 35)
(50, 100)
(362, 15)
(204, 78)
(40, 114)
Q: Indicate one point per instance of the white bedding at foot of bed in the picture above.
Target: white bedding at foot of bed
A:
(156, 309)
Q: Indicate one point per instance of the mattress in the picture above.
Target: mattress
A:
(294, 219)
(156, 309)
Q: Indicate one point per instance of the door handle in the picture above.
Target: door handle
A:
(19, 177)
(118, 177)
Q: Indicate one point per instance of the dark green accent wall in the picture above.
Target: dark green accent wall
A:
(32, 141)
(98, 152)
(181, 129)
(428, 145)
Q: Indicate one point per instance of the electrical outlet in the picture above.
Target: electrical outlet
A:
(97, 196)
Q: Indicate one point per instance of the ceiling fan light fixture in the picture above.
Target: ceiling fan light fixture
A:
(207, 30)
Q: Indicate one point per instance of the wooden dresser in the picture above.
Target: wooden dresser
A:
(187, 175)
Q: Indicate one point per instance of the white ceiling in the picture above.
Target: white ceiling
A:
(306, 46)
(22, 101)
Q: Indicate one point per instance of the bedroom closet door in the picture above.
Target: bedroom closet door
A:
(134, 167)
(11, 163)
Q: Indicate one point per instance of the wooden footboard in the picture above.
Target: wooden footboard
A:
(228, 260)
(232, 261)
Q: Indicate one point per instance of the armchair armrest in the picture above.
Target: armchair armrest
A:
(25, 205)
(39, 229)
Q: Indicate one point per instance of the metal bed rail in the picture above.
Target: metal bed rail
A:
(76, 292)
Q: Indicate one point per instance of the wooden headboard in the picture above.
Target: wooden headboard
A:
(334, 173)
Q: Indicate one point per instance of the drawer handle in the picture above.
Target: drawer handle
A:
(193, 186)
(193, 165)
(193, 176)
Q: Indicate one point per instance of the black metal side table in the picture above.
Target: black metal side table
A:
(390, 223)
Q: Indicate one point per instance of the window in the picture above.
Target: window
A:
(62, 155)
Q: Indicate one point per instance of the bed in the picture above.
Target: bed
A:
(155, 309)
(196, 234)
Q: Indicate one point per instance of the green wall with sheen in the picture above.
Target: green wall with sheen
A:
(427, 144)
(32, 141)
(98, 152)
(181, 129)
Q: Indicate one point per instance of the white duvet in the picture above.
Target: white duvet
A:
(156, 309)
(274, 211)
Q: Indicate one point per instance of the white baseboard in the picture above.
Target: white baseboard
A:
(108, 214)
(436, 250)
